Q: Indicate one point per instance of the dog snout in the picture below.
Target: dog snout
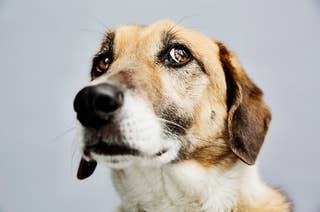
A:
(95, 105)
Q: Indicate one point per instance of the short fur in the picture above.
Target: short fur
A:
(196, 130)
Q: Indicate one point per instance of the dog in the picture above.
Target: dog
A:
(177, 119)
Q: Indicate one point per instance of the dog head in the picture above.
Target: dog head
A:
(163, 94)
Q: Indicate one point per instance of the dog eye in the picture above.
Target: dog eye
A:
(102, 66)
(179, 55)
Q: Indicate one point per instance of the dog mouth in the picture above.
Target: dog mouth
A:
(103, 148)
(111, 147)
(112, 151)
(107, 149)
(110, 141)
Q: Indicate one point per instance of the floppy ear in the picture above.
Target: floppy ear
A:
(248, 115)
(86, 168)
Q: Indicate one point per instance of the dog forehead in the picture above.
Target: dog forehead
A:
(138, 43)
(143, 36)
(135, 33)
(140, 37)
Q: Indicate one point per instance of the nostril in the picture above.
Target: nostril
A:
(107, 99)
(106, 104)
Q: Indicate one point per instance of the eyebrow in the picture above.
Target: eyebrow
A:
(107, 43)
(105, 49)
(167, 38)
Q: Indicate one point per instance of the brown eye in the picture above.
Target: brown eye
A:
(103, 65)
(179, 55)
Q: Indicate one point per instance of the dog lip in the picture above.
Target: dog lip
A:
(104, 148)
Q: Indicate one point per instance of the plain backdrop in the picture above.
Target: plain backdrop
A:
(45, 54)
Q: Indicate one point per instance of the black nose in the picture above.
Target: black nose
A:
(95, 104)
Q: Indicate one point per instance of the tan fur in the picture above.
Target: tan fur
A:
(273, 201)
(198, 97)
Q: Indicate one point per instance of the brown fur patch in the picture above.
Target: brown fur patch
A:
(249, 116)
(209, 156)
(273, 201)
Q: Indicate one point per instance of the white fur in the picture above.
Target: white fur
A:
(185, 186)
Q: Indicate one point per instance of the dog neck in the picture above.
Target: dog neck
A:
(187, 186)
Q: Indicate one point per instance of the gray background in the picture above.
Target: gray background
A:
(45, 51)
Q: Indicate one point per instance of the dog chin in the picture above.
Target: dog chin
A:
(114, 162)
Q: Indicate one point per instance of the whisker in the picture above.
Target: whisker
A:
(201, 139)
(183, 18)
(172, 30)
(74, 157)
(62, 134)
(178, 22)
(93, 31)
(178, 139)
(105, 27)
(171, 122)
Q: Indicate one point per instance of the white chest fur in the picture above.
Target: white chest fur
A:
(181, 187)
